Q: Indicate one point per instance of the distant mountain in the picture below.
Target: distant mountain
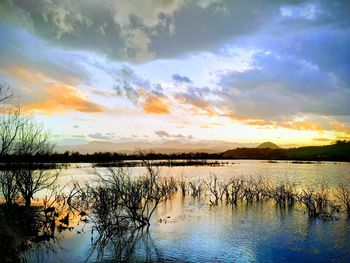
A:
(161, 147)
(335, 152)
(269, 145)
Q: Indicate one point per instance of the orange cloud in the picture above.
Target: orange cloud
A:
(199, 106)
(27, 77)
(322, 139)
(211, 125)
(30, 77)
(259, 122)
(339, 126)
(156, 105)
(60, 98)
(48, 95)
(323, 125)
(305, 125)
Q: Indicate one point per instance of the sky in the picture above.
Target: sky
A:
(192, 70)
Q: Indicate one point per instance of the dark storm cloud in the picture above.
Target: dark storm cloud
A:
(130, 30)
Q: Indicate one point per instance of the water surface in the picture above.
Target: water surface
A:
(188, 229)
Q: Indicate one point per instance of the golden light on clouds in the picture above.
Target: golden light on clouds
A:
(48, 96)
(155, 105)
(60, 98)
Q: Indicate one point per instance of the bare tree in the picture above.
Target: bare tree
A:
(213, 186)
(9, 122)
(31, 179)
(8, 186)
(5, 92)
(32, 139)
(343, 195)
(10, 125)
(21, 135)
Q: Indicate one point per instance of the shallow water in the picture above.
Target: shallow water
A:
(304, 173)
(198, 232)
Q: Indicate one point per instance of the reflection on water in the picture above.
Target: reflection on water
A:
(193, 231)
(28, 228)
(309, 173)
(190, 229)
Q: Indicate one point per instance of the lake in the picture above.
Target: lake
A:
(190, 229)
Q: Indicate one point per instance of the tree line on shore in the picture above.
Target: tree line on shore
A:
(338, 151)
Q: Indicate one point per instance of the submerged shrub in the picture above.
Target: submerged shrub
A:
(236, 189)
(283, 193)
(317, 203)
(183, 186)
(343, 195)
(197, 188)
(126, 200)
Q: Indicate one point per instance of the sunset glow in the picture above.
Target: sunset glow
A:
(193, 71)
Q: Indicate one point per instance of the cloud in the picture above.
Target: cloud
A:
(211, 125)
(315, 13)
(127, 83)
(39, 92)
(99, 136)
(156, 105)
(162, 134)
(266, 89)
(60, 98)
(102, 93)
(77, 136)
(322, 139)
(133, 30)
(199, 99)
(295, 72)
(20, 49)
(277, 90)
(120, 29)
(179, 136)
(181, 79)
(201, 26)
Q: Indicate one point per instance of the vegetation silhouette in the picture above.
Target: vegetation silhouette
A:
(25, 228)
(126, 201)
(338, 151)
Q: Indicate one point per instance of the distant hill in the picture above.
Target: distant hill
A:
(269, 145)
(335, 152)
(161, 147)
(255, 153)
(338, 151)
